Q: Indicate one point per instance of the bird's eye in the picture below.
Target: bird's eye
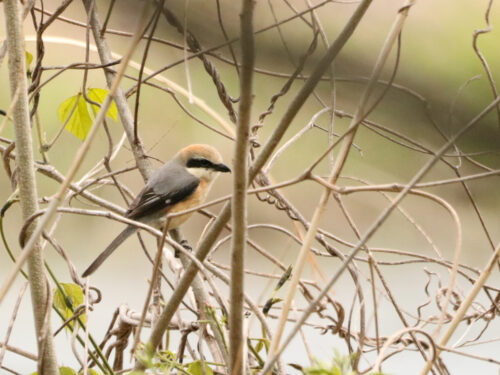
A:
(199, 163)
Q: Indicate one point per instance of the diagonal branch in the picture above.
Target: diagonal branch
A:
(271, 144)
(121, 101)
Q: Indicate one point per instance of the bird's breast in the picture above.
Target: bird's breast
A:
(195, 199)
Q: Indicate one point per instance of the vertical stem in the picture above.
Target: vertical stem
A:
(239, 201)
(216, 344)
(47, 363)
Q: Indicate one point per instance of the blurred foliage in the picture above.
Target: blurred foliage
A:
(64, 370)
(195, 368)
(338, 365)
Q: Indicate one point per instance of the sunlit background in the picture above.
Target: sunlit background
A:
(437, 61)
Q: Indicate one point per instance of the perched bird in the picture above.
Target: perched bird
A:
(178, 185)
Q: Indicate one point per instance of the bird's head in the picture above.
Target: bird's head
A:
(203, 161)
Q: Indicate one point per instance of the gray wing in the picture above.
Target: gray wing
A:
(168, 185)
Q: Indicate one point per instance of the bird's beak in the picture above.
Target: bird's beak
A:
(222, 168)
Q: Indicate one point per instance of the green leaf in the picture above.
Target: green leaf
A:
(259, 346)
(270, 303)
(93, 372)
(29, 58)
(296, 366)
(145, 354)
(74, 298)
(284, 278)
(195, 368)
(99, 95)
(261, 343)
(63, 370)
(339, 365)
(75, 112)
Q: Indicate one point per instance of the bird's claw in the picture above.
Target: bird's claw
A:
(185, 245)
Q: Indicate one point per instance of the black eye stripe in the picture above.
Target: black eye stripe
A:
(199, 163)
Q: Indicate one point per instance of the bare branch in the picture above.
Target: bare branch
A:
(239, 208)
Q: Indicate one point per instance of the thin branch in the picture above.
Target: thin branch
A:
(481, 57)
(126, 116)
(11, 323)
(464, 306)
(239, 208)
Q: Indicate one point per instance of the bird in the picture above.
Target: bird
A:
(178, 185)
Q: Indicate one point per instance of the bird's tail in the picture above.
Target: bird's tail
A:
(129, 230)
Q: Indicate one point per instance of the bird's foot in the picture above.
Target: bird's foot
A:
(185, 245)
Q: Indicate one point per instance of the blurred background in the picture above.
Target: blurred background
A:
(437, 62)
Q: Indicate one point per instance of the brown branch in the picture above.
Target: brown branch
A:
(237, 361)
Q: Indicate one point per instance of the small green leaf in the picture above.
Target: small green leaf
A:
(259, 346)
(195, 368)
(93, 372)
(270, 303)
(74, 110)
(99, 95)
(74, 298)
(339, 365)
(296, 366)
(284, 278)
(63, 370)
(261, 343)
(29, 58)
(145, 354)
